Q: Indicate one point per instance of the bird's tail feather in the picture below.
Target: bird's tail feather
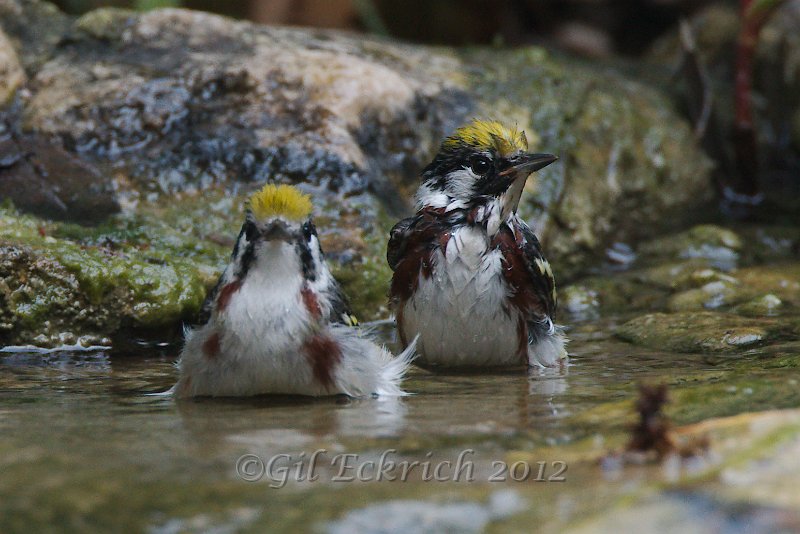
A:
(394, 371)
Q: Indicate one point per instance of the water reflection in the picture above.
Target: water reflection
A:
(79, 420)
(273, 424)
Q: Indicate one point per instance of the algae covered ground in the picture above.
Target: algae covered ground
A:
(541, 448)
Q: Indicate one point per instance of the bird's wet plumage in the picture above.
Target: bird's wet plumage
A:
(468, 273)
(278, 322)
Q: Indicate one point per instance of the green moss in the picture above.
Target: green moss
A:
(366, 284)
(366, 281)
(94, 281)
(105, 23)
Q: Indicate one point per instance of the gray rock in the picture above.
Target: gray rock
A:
(172, 106)
(41, 177)
(184, 100)
(11, 73)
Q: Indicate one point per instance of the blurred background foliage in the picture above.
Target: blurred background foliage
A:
(594, 28)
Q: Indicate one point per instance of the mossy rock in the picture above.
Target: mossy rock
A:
(174, 106)
(61, 289)
(718, 245)
(56, 288)
(703, 332)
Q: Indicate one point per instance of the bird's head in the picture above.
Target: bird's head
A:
(277, 213)
(480, 163)
(277, 228)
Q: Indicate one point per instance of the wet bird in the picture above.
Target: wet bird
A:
(277, 321)
(469, 275)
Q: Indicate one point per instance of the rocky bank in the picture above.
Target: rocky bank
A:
(142, 133)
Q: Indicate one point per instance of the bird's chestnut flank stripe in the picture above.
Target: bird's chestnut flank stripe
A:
(324, 354)
(211, 346)
(311, 302)
(225, 293)
(524, 297)
(429, 234)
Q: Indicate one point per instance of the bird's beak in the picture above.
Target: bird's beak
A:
(521, 167)
(525, 164)
(277, 231)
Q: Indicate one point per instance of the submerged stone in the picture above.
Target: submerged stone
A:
(749, 482)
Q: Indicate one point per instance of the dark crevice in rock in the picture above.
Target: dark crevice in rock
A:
(44, 179)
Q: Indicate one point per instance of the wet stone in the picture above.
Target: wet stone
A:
(43, 178)
(764, 306)
(710, 296)
(54, 290)
(781, 279)
(720, 246)
(580, 302)
(696, 331)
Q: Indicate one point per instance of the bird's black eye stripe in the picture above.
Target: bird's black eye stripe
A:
(250, 231)
(248, 257)
(303, 249)
(238, 241)
(480, 165)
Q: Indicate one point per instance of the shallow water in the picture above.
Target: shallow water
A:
(84, 444)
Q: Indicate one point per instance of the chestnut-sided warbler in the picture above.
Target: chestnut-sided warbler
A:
(469, 274)
(277, 321)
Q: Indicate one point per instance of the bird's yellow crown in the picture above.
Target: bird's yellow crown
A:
(484, 134)
(280, 201)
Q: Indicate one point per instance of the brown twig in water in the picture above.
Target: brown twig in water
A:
(652, 431)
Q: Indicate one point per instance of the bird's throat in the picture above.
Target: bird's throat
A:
(509, 201)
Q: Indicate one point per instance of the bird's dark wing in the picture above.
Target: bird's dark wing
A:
(208, 304)
(544, 284)
(340, 305)
(398, 240)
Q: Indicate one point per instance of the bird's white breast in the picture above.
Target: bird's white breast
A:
(262, 329)
(460, 310)
(268, 309)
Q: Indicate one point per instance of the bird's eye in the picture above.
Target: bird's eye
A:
(480, 165)
(250, 231)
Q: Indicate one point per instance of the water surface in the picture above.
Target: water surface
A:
(85, 445)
